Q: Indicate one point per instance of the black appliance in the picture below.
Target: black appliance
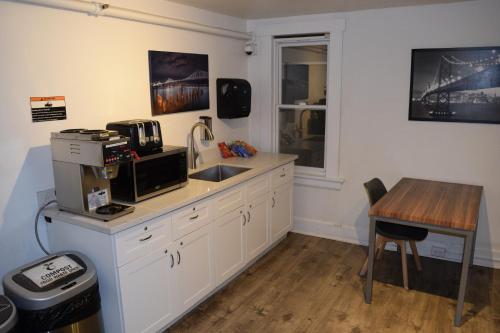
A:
(151, 175)
(145, 135)
(233, 98)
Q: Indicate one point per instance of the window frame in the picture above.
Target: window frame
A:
(278, 45)
(263, 124)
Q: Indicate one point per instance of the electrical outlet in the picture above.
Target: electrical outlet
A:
(45, 196)
(438, 252)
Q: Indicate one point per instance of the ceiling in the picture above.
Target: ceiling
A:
(256, 9)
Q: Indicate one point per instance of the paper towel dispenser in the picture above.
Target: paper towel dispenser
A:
(233, 98)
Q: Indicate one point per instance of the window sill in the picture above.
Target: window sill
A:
(308, 180)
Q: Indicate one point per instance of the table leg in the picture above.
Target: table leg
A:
(463, 277)
(473, 249)
(371, 258)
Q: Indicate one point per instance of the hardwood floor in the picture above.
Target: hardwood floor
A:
(310, 284)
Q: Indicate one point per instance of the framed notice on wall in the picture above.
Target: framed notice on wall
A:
(48, 108)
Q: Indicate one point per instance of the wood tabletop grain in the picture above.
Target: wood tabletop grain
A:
(447, 205)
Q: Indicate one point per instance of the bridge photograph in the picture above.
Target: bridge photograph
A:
(178, 82)
(455, 84)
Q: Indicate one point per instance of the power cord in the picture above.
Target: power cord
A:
(36, 225)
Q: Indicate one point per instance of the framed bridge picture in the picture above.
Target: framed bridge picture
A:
(455, 85)
(178, 82)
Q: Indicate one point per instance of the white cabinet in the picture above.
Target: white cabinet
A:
(229, 244)
(146, 286)
(152, 273)
(281, 211)
(257, 227)
(194, 268)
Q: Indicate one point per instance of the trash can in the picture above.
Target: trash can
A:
(58, 293)
(8, 315)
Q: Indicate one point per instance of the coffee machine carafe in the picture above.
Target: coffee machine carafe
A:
(84, 161)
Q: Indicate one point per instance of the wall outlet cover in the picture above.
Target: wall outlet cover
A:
(438, 251)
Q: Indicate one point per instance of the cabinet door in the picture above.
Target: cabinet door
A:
(146, 286)
(229, 244)
(194, 267)
(281, 211)
(257, 227)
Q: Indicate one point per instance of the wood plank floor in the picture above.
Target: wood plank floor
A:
(310, 284)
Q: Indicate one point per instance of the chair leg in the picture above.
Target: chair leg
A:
(378, 241)
(415, 255)
(404, 263)
(381, 247)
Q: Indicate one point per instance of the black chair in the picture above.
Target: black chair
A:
(391, 232)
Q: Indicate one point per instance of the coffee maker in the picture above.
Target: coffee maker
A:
(84, 161)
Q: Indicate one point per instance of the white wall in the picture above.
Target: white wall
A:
(101, 66)
(377, 140)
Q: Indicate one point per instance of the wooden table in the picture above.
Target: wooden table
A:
(437, 206)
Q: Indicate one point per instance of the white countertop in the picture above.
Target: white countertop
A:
(170, 201)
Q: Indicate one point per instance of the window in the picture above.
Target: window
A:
(301, 108)
(298, 94)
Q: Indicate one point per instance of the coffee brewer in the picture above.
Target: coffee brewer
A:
(84, 161)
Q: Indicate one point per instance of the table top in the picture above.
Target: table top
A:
(447, 205)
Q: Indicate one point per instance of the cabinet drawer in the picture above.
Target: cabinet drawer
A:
(229, 201)
(142, 239)
(191, 218)
(282, 175)
(257, 187)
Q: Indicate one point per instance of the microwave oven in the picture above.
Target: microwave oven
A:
(151, 175)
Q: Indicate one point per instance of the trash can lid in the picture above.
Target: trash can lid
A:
(49, 280)
(8, 314)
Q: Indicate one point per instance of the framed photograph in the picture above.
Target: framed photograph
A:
(455, 84)
(178, 82)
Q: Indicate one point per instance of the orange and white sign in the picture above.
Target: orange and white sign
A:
(48, 108)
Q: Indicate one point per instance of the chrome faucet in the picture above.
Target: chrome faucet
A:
(193, 154)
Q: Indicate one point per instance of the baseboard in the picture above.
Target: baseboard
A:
(350, 234)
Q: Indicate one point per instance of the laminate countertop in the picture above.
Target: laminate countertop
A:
(165, 203)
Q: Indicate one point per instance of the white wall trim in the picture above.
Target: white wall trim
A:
(318, 181)
(350, 234)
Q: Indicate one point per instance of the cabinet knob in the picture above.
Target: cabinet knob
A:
(182, 243)
(145, 228)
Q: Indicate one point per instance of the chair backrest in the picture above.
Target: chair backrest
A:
(375, 190)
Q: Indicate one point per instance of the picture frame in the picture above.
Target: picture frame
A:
(455, 85)
(178, 82)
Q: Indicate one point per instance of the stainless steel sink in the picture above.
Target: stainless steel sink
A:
(218, 173)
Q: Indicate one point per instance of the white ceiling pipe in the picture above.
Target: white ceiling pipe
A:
(102, 9)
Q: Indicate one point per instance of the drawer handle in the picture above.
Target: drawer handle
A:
(145, 238)
(178, 258)
(194, 217)
(244, 219)
(171, 260)
(248, 216)
(274, 203)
